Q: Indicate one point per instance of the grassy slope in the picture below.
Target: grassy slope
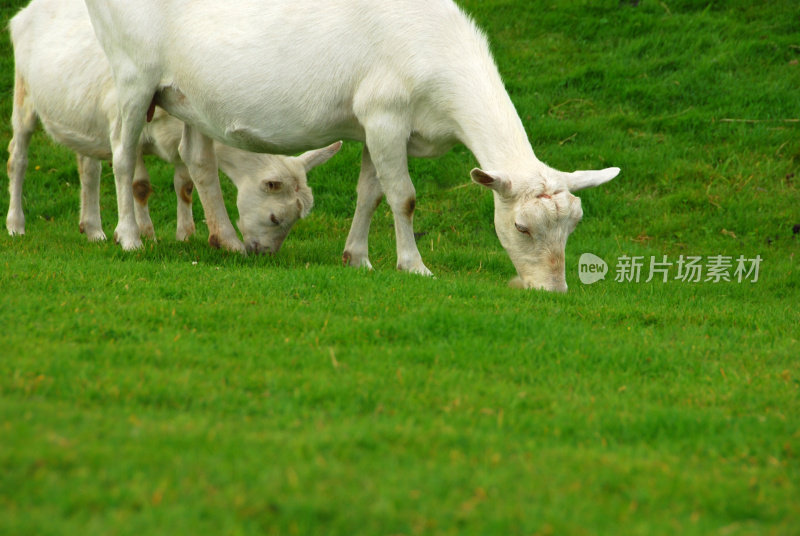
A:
(143, 393)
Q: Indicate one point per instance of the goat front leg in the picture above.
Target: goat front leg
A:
(183, 192)
(387, 144)
(356, 249)
(23, 122)
(197, 152)
(141, 193)
(124, 142)
(89, 171)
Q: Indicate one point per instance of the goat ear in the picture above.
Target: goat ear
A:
(579, 180)
(497, 182)
(312, 159)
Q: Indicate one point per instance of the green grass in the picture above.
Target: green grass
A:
(183, 390)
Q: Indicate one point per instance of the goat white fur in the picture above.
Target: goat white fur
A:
(63, 78)
(407, 77)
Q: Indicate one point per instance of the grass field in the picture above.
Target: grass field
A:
(183, 390)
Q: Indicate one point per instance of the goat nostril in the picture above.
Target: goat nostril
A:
(274, 220)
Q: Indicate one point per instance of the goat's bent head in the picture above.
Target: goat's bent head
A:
(271, 201)
(533, 217)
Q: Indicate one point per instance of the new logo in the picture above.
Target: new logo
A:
(591, 268)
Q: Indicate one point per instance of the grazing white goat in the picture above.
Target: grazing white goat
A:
(64, 79)
(407, 77)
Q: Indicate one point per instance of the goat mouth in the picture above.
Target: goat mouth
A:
(555, 286)
(256, 248)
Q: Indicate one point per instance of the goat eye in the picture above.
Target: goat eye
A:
(272, 186)
(521, 228)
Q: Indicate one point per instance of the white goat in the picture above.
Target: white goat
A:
(64, 79)
(407, 77)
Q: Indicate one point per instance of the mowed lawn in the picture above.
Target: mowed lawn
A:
(184, 390)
